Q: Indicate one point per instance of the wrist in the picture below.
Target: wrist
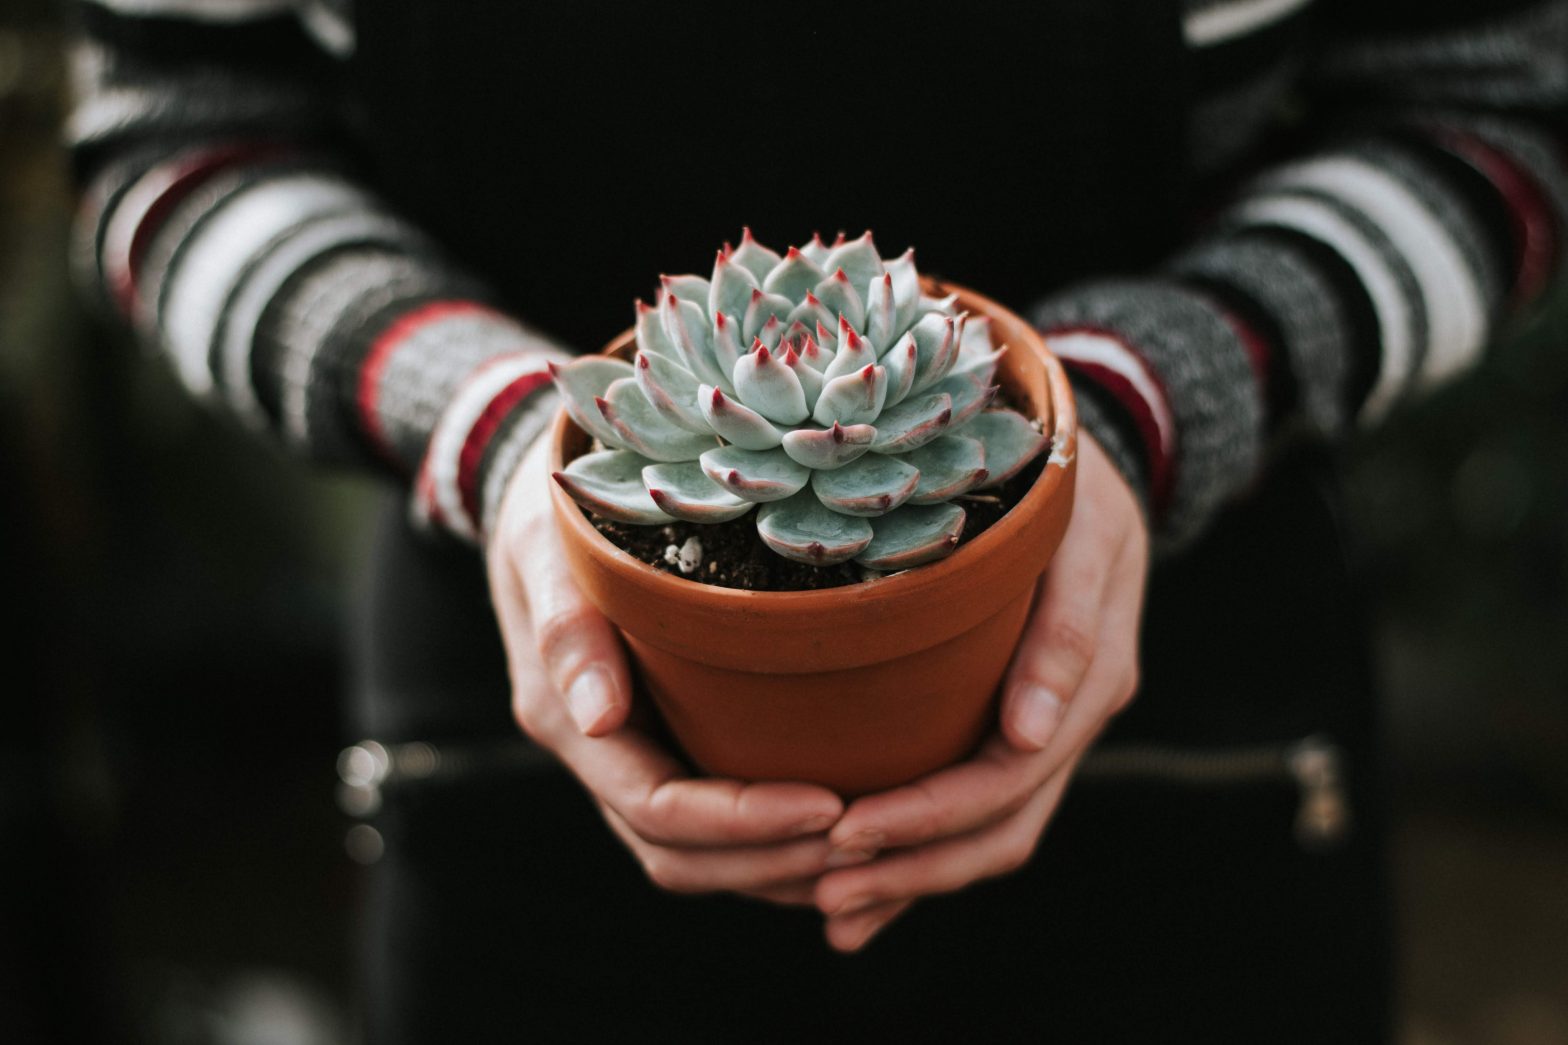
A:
(479, 442)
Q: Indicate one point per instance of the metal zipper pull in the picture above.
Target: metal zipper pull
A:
(1323, 817)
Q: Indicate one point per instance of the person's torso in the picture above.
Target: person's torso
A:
(572, 152)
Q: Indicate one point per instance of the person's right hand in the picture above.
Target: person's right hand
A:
(571, 692)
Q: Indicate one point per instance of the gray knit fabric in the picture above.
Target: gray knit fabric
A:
(284, 336)
(1207, 377)
(1450, 207)
(1314, 330)
(1124, 454)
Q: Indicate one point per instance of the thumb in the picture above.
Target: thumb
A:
(1058, 643)
(581, 654)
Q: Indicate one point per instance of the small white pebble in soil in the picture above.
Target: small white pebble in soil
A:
(713, 567)
(689, 557)
(672, 555)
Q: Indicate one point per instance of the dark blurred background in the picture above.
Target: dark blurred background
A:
(172, 863)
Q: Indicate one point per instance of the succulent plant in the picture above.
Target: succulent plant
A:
(821, 387)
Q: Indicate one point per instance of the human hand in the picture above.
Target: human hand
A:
(1076, 667)
(571, 692)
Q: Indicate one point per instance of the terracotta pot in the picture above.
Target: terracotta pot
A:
(860, 687)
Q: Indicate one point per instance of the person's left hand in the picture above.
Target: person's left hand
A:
(1076, 667)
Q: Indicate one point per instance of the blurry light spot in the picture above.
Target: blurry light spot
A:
(364, 844)
(1490, 494)
(364, 764)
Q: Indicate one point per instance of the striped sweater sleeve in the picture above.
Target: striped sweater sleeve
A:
(1331, 287)
(218, 223)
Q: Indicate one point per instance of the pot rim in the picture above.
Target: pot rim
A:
(1061, 452)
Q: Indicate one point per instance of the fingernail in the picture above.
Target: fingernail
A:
(848, 857)
(862, 841)
(1037, 712)
(815, 824)
(858, 902)
(590, 697)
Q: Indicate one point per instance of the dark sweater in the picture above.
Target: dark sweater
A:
(568, 159)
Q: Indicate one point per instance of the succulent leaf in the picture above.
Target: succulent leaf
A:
(683, 490)
(853, 398)
(687, 327)
(727, 348)
(970, 395)
(651, 336)
(873, 485)
(810, 313)
(912, 535)
(1010, 441)
(642, 428)
(827, 341)
(936, 346)
(816, 250)
(793, 277)
(828, 448)
(732, 287)
(881, 314)
(688, 288)
(900, 361)
(737, 422)
(813, 354)
(852, 355)
(671, 390)
(981, 363)
(949, 465)
(609, 484)
(761, 308)
(770, 335)
(754, 257)
(803, 529)
(581, 382)
(839, 296)
(765, 384)
(906, 288)
(810, 380)
(859, 260)
(948, 305)
(755, 475)
(912, 423)
(976, 335)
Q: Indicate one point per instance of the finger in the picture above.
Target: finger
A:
(791, 894)
(1107, 688)
(1061, 638)
(991, 786)
(943, 866)
(853, 932)
(650, 790)
(732, 869)
(580, 651)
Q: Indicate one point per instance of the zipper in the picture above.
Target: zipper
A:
(1314, 765)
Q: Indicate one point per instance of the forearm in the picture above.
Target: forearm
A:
(220, 227)
(1331, 288)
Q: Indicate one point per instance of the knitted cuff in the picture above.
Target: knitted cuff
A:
(492, 418)
(1101, 417)
(1183, 358)
(1271, 277)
